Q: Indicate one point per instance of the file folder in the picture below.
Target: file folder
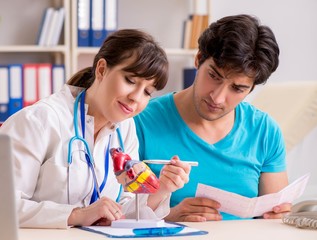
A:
(51, 30)
(97, 23)
(189, 75)
(29, 84)
(44, 80)
(83, 23)
(57, 28)
(15, 88)
(45, 26)
(4, 93)
(111, 16)
(58, 77)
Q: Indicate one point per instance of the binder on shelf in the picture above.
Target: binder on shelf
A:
(45, 25)
(205, 23)
(111, 17)
(4, 93)
(57, 28)
(97, 23)
(44, 80)
(30, 86)
(83, 23)
(58, 77)
(196, 30)
(52, 26)
(15, 88)
(200, 21)
(187, 29)
(189, 75)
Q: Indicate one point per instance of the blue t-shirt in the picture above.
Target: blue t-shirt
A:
(254, 145)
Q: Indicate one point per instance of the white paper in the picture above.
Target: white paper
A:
(245, 207)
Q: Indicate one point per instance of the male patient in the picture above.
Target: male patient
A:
(239, 148)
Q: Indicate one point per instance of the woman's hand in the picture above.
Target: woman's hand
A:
(101, 212)
(174, 176)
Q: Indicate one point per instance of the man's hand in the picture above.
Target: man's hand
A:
(195, 210)
(278, 211)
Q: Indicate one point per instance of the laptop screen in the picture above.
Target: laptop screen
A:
(8, 215)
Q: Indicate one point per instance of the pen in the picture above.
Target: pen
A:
(159, 231)
(159, 161)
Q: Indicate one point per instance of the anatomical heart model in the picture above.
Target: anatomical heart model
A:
(135, 176)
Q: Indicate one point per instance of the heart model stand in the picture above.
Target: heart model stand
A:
(136, 177)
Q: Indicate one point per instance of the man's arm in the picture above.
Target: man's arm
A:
(271, 183)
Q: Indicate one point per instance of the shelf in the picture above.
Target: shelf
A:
(86, 50)
(147, 15)
(169, 51)
(181, 52)
(32, 48)
(19, 41)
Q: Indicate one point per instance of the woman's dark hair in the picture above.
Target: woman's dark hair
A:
(150, 60)
(239, 44)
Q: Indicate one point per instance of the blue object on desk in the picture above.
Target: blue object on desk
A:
(157, 231)
(171, 230)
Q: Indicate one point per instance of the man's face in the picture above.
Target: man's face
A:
(217, 93)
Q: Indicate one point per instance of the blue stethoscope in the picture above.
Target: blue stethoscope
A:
(89, 159)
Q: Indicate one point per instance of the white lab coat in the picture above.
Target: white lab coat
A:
(40, 135)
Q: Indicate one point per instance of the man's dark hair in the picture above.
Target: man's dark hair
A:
(239, 44)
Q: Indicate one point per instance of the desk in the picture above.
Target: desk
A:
(224, 230)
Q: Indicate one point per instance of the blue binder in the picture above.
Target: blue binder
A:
(15, 88)
(83, 22)
(97, 23)
(110, 16)
(189, 75)
(4, 93)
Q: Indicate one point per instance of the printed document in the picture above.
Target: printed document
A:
(245, 207)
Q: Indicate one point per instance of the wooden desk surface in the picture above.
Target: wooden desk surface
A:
(224, 230)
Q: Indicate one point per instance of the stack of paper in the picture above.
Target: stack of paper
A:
(244, 207)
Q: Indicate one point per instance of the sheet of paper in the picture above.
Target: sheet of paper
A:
(245, 207)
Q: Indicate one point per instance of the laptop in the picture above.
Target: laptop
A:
(8, 214)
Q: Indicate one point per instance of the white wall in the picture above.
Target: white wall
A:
(294, 23)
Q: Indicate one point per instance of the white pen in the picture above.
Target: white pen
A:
(159, 161)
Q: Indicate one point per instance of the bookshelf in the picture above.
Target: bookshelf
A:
(19, 27)
(20, 22)
(150, 16)
(22, 58)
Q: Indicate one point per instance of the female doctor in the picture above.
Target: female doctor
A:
(63, 170)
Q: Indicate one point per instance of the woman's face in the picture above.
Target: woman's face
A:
(116, 95)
